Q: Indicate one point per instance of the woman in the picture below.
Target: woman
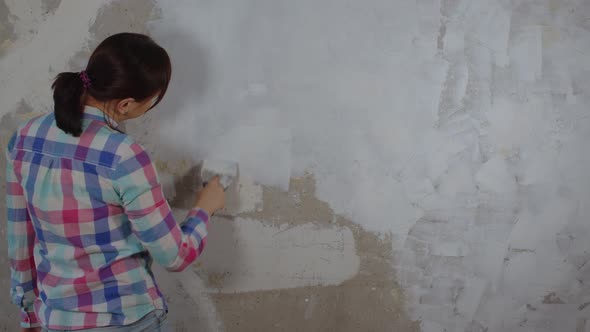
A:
(86, 213)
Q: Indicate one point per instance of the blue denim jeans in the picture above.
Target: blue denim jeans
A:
(155, 321)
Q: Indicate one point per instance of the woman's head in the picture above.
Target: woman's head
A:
(127, 75)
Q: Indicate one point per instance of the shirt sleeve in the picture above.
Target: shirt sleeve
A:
(21, 241)
(171, 245)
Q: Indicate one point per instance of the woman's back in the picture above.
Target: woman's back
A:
(87, 258)
(86, 212)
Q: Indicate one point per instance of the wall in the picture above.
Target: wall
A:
(400, 160)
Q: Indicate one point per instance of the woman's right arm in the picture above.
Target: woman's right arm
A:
(171, 245)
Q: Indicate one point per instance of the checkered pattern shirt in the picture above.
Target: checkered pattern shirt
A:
(86, 217)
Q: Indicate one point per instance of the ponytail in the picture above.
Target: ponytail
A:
(125, 65)
(68, 89)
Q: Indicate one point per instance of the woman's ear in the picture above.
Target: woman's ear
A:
(124, 106)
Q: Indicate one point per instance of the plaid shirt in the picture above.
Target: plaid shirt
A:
(86, 215)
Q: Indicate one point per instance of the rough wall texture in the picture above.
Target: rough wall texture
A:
(455, 130)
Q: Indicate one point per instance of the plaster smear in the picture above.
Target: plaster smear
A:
(263, 257)
(271, 85)
(263, 153)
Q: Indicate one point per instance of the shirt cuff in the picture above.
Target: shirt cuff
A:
(28, 319)
(199, 213)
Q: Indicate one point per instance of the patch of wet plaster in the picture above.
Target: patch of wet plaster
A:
(245, 287)
(371, 300)
(362, 293)
(247, 255)
(180, 182)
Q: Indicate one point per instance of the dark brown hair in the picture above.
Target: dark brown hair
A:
(125, 65)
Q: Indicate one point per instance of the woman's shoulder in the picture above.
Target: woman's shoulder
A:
(27, 125)
(31, 123)
(124, 146)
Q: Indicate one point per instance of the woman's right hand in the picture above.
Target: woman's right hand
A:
(212, 197)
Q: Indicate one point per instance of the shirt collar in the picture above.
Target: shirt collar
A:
(96, 114)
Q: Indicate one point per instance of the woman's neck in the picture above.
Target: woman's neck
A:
(101, 107)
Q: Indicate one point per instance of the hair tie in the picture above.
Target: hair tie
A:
(85, 79)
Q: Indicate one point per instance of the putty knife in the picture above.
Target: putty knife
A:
(226, 170)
